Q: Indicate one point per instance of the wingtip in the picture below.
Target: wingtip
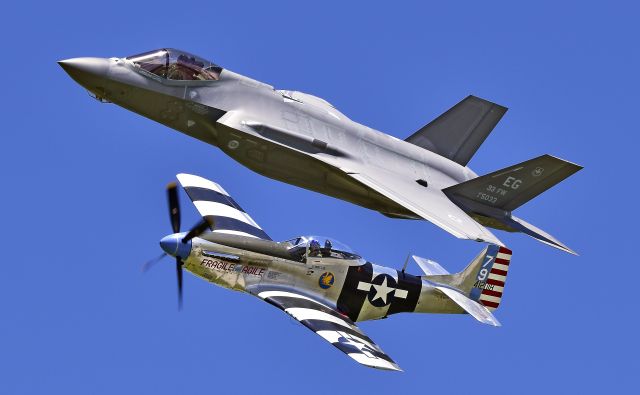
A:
(182, 175)
(558, 245)
(393, 368)
(496, 106)
(572, 252)
(575, 165)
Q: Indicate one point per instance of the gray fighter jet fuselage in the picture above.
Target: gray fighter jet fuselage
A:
(195, 107)
(303, 140)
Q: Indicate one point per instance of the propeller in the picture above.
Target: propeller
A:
(174, 217)
(196, 231)
(174, 206)
(148, 264)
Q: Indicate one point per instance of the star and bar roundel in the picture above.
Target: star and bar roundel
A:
(380, 290)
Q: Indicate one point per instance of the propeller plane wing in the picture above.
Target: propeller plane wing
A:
(329, 324)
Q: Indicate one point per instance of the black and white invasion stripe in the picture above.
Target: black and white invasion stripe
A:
(332, 326)
(218, 208)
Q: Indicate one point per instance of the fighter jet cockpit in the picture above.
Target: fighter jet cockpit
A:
(172, 64)
(304, 247)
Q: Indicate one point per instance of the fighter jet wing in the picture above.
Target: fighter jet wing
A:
(429, 203)
(332, 326)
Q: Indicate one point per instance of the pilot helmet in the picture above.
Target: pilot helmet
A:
(327, 244)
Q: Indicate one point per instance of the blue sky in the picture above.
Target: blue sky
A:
(84, 203)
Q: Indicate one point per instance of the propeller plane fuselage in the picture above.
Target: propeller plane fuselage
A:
(318, 281)
(341, 279)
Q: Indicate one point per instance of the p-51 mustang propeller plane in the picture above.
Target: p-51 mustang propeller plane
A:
(320, 282)
(303, 140)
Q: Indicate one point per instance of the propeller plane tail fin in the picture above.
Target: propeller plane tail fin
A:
(482, 281)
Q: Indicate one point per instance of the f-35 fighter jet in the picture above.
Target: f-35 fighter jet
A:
(303, 140)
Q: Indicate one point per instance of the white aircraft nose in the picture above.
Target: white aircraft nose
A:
(88, 72)
(95, 66)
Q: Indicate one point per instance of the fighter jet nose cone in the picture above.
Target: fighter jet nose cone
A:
(174, 246)
(95, 66)
(88, 72)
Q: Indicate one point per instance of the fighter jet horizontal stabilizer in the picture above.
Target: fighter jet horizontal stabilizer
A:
(489, 199)
(523, 226)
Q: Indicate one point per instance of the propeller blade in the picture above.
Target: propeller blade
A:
(148, 264)
(196, 231)
(179, 273)
(174, 206)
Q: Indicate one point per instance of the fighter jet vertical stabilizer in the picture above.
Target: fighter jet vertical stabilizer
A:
(458, 133)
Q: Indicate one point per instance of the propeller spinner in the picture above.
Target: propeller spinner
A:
(177, 244)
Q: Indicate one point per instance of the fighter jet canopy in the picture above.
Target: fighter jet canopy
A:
(173, 64)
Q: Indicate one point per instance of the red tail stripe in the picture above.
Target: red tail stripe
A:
(495, 282)
(492, 293)
(489, 304)
(504, 250)
(498, 271)
(502, 261)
